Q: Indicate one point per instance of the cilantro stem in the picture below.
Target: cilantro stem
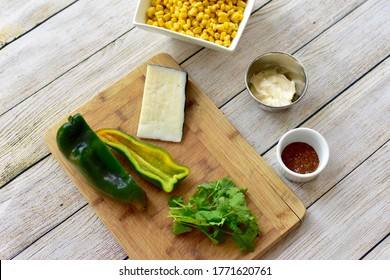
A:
(180, 204)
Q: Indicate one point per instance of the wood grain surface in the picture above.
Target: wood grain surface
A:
(19, 17)
(212, 149)
(57, 55)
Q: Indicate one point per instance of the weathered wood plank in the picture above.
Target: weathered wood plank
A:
(100, 244)
(34, 203)
(18, 17)
(280, 26)
(381, 252)
(49, 50)
(334, 229)
(333, 61)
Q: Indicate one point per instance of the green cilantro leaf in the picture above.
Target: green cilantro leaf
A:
(217, 209)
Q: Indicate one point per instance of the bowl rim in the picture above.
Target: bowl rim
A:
(278, 53)
(324, 144)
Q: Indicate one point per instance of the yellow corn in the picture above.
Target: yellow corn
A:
(197, 30)
(160, 22)
(193, 12)
(189, 32)
(167, 17)
(151, 11)
(241, 4)
(236, 17)
(211, 20)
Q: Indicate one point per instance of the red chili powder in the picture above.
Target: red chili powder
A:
(300, 158)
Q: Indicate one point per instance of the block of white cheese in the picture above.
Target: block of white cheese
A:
(163, 102)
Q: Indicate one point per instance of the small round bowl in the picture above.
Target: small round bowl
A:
(310, 137)
(292, 68)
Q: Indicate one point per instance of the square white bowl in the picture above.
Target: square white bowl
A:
(140, 19)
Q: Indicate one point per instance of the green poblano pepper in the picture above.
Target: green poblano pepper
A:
(84, 149)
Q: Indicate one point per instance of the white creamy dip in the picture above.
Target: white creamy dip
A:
(272, 88)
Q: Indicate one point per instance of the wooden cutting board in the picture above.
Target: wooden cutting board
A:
(211, 147)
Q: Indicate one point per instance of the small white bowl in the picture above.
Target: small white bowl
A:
(310, 137)
(140, 21)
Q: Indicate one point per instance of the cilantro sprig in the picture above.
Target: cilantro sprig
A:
(218, 209)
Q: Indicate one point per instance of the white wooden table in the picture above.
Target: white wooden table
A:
(56, 55)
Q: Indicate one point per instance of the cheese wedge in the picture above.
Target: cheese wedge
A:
(163, 102)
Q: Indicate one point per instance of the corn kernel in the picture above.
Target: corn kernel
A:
(193, 12)
(151, 11)
(199, 16)
(167, 17)
(159, 14)
(220, 27)
(169, 25)
(198, 4)
(231, 27)
(236, 17)
(161, 22)
(176, 26)
(241, 4)
(197, 30)
(222, 19)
